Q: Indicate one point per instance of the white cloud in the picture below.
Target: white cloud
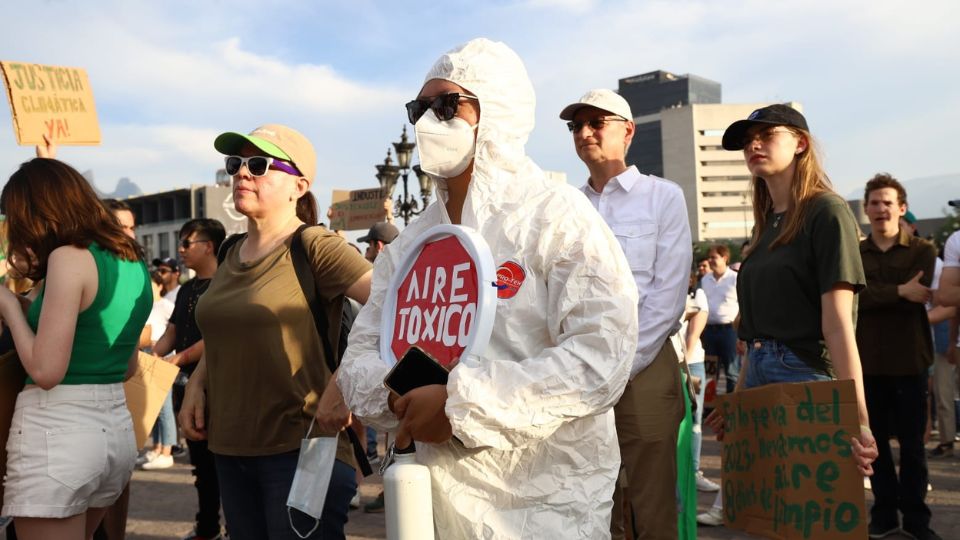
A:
(573, 6)
(877, 79)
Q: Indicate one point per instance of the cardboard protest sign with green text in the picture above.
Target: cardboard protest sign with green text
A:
(357, 210)
(50, 100)
(787, 467)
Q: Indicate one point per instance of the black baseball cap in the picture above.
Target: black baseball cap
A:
(955, 203)
(381, 231)
(771, 115)
(169, 262)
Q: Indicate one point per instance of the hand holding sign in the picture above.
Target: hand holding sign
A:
(49, 147)
(865, 452)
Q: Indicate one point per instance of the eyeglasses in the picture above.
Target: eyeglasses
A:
(258, 165)
(164, 271)
(444, 106)
(185, 244)
(765, 135)
(595, 124)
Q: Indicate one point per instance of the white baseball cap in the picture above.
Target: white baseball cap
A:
(603, 99)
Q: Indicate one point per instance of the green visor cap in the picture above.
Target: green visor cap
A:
(230, 143)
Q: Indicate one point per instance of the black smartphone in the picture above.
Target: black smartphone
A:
(414, 370)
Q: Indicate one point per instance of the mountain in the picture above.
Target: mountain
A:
(125, 188)
(928, 196)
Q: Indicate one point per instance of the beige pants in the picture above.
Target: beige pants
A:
(648, 419)
(945, 379)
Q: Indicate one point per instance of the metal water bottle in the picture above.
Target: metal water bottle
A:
(407, 498)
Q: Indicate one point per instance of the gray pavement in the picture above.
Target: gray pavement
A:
(163, 502)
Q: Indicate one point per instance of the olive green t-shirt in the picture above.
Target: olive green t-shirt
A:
(265, 363)
(779, 290)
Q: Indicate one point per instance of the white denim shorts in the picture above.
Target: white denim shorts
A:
(70, 448)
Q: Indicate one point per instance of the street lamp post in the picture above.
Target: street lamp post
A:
(407, 204)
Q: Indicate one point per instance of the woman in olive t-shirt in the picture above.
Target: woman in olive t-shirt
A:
(263, 369)
(802, 269)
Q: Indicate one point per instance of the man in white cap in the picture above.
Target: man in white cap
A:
(648, 215)
(519, 441)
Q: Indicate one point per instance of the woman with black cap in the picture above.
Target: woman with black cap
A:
(801, 270)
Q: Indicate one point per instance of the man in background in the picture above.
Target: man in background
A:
(200, 241)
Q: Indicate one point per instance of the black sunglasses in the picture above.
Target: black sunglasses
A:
(594, 123)
(185, 244)
(444, 106)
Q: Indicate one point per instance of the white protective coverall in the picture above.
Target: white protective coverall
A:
(539, 453)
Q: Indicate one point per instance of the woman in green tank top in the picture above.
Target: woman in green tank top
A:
(71, 445)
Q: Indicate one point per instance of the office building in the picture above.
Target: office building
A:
(648, 95)
(160, 215)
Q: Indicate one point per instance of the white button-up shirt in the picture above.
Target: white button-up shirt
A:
(648, 215)
(721, 296)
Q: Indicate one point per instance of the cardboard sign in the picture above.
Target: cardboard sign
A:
(50, 100)
(146, 391)
(357, 210)
(442, 297)
(786, 462)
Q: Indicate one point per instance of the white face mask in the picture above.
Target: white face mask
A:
(308, 492)
(446, 148)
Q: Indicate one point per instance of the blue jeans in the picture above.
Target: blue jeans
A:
(696, 441)
(371, 442)
(720, 340)
(165, 430)
(254, 493)
(772, 362)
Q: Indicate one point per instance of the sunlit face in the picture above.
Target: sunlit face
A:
(885, 209)
(703, 268)
(169, 277)
(258, 196)
(197, 248)
(373, 249)
(717, 262)
(771, 150)
(605, 143)
(127, 222)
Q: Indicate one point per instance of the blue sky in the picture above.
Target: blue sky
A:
(878, 80)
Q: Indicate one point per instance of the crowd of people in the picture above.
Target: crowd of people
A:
(582, 416)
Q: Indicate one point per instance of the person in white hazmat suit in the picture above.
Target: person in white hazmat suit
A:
(534, 453)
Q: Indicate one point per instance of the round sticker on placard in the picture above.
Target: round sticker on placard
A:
(442, 298)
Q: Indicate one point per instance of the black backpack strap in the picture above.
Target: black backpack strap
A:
(227, 244)
(304, 270)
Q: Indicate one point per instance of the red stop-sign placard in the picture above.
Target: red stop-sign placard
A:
(437, 302)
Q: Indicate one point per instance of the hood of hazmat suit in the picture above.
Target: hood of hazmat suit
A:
(535, 451)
